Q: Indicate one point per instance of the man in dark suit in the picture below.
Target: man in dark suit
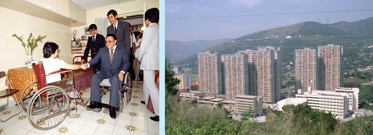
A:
(114, 63)
(119, 29)
(95, 42)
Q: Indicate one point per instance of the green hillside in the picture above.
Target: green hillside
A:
(177, 50)
(354, 36)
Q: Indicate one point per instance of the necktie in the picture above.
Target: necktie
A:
(111, 55)
(115, 29)
(93, 39)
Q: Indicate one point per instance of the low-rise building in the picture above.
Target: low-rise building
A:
(245, 102)
(291, 101)
(353, 99)
(328, 101)
(184, 81)
(192, 95)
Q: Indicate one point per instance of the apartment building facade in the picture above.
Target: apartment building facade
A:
(185, 82)
(305, 67)
(210, 73)
(330, 64)
(235, 75)
(277, 54)
(265, 72)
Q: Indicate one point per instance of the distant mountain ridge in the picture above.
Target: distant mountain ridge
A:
(352, 35)
(177, 50)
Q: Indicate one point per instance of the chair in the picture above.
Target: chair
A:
(47, 107)
(8, 92)
(126, 88)
(78, 59)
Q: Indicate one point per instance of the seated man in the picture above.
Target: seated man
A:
(114, 63)
(51, 63)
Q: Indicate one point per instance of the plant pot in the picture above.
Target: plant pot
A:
(28, 61)
(29, 58)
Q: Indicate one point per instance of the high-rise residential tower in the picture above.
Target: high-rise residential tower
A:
(265, 77)
(235, 75)
(305, 69)
(331, 67)
(278, 69)
(210, 73)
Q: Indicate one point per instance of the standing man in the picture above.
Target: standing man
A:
(120, 30)
(132, 55)
(132, 38)
(149, 57)
(114, 64)
(95, 42)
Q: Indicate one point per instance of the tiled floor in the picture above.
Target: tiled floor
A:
(133, 120)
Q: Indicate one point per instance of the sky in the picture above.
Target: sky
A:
(189, 20)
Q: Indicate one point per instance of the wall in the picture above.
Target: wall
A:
(12, 54)
(123, 8)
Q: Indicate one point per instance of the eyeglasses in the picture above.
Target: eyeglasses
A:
(109, 41)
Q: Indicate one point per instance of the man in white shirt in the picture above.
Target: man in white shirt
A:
(149, 58)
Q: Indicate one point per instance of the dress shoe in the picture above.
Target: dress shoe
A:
(113, 112)
(155, 118)
(143, 102)
(94, 106)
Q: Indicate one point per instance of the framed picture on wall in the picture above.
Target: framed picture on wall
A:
(86, 31)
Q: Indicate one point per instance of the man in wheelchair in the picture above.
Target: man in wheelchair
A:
(114, 63)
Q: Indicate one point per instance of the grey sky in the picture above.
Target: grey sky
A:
(188, 20)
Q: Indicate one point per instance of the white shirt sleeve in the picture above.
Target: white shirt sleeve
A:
(51, 65)
(133, 38)
(146, 38)
(60, 63)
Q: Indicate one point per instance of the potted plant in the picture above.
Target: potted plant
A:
(32, 43)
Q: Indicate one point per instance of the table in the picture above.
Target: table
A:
(19, 79)
(82, 78)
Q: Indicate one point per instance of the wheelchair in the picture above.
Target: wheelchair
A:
(48, 105)
(125, 91)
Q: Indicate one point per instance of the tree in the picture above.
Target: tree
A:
(170, 81)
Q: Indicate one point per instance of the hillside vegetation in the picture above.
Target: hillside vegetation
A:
(355, 37)
(177, 50)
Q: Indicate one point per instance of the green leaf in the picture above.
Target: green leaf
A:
(31, 42)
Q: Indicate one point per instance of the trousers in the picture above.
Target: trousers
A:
(115, 83)
(151, 88)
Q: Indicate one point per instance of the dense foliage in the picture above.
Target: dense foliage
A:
(184, 118)
(366, 96)
(169, 80)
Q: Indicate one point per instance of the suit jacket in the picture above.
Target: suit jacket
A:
(123, 35)
(94, 46)
(120, 61)
(149, 50)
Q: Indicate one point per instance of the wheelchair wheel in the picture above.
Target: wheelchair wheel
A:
(125, 89)
(128, 88)
(54, 110)
(25, 99)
